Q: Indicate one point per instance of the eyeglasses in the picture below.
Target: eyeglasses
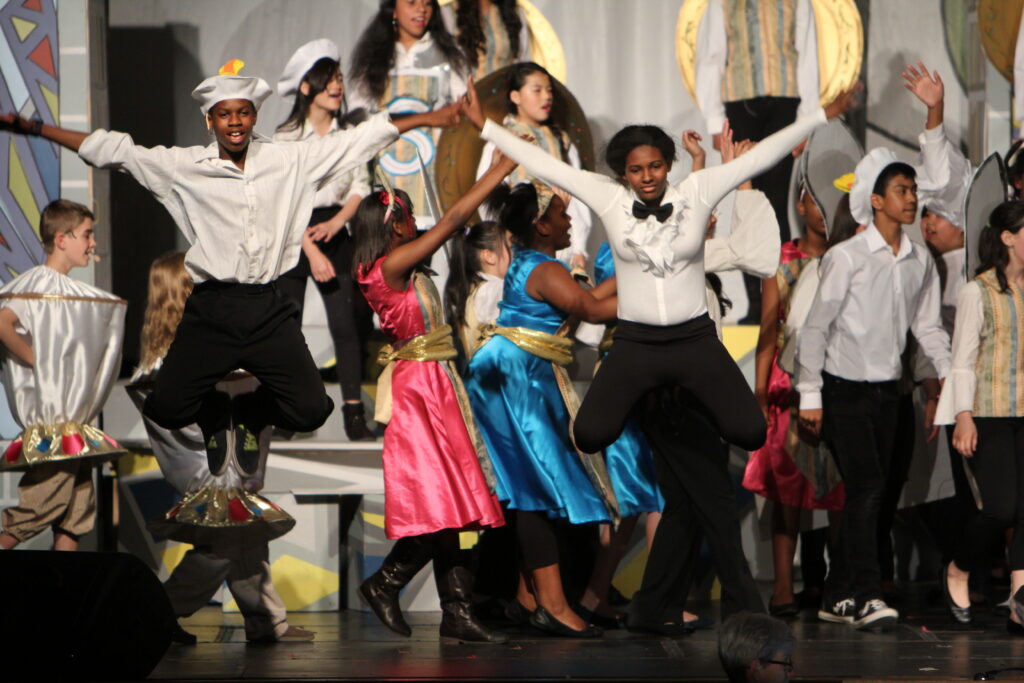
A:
(787, 663)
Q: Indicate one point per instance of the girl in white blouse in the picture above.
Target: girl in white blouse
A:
(656, 232)
(406, 62)
(529, 98)
(984, 398)
(313, 77)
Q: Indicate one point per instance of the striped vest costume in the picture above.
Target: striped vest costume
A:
(1000, 364)
(762, 56)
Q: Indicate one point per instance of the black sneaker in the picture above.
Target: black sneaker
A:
(248, 426)
(214, 424)
(875, 614)
(841, 612)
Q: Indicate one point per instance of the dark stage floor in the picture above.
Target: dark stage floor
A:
(353, 645)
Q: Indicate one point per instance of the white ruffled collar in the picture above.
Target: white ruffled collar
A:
(650, 240)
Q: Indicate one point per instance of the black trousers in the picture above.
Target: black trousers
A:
(860, 421)
(755, 120)
(899, 469)
(349, 319)
(998, 468)
(227, 326)
(691, 464)
(688, 355)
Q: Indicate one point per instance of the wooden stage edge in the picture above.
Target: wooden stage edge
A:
(352, 645)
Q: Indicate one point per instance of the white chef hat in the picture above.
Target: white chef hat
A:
(228, 85)
(866, 173)
(302, 61)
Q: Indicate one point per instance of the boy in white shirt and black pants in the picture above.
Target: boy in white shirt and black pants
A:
(874, 288)
(243, 203)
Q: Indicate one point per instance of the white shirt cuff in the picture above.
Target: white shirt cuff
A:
(810, 400)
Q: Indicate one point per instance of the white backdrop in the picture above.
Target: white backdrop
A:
(621, 62)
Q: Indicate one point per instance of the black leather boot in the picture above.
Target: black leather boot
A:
(355, 422)
(380, 591)
(455, 588)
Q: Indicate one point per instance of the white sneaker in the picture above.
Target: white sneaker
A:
(840, 613)
(876, 614)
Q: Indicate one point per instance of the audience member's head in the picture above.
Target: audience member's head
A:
(756, 647)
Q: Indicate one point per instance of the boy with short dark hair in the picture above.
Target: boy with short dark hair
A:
(63, 344)
(873, 288)
(242, 202)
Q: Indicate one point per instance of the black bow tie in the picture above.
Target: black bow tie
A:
(642, 211)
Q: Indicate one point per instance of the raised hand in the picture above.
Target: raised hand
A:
(845, 102)
(691, 143)
(927, 88)
(472, 109)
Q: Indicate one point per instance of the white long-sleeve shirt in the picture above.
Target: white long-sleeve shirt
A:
(712, 51)
(958, 391)
(243, 225)
(578, 212)
(354, 183)
(867, 299)
(660, 266)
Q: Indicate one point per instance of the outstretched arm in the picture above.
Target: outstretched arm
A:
(590, 188)
(552, 283)
(404, 258)
(72, 139)
(714, 183)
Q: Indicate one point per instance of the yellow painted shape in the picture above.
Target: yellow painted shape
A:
(173, 553)
(468, 539)
(135, 463)
(374, 519)
(23, 27)
(740, 340)
(22, 191)
(299, 583)
(13, 272)
(52, 101)
(627, 580)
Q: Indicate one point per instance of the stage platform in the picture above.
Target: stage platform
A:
(352, 645)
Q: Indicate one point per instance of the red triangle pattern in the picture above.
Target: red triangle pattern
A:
(34, 5)
(43, 56)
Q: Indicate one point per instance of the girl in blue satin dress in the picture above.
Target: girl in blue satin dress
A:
(520, 409)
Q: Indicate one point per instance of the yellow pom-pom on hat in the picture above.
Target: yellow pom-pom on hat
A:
(231, 67)
(228, 85)
(844, 183)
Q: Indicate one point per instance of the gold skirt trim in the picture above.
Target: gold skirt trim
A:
(61, 442)
(211, 510)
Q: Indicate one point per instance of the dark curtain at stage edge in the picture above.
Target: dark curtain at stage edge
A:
(143, 65)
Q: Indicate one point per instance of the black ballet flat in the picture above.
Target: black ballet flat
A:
(543, 621)
(607, 623)
(961, 615)
(517, 613)
(1013, 628)
(674, 629)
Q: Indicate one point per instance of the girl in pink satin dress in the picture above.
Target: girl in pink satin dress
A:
(438, 478)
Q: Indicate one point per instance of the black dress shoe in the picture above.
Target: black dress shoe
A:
(517, 613)
(542, 620)
(961, 615)
(182, 637)
(787, 610)
(607, 623)
(356, 429)
(673, 629)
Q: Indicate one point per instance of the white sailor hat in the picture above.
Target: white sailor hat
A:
(302, 61)
(228, 85)
(866, 173)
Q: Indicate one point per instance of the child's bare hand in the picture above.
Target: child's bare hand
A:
(927, 88)
(691, 143)
(471, 107)
(320, 267)
(845, 102)
(502, 162)
(447, 116)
